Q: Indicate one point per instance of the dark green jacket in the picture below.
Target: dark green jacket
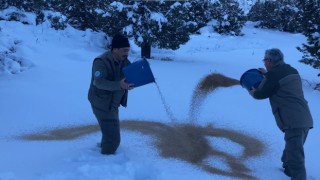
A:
(105, 92)
(282, 85)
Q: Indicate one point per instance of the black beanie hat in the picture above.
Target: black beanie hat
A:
(119, 41)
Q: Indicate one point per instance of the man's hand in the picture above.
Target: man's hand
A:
(125, 85)
(252, 91)
(262, 70)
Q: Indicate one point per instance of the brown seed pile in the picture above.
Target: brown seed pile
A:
(187, 142)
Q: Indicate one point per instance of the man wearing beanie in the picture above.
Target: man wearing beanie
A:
(108, 90)
(282, 85)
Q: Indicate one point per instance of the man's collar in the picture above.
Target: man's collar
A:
(276, 64)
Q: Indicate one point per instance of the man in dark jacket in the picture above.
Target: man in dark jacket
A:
(282, 85)
(108, 90)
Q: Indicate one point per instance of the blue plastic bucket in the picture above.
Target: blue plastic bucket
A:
(251, 78)
(138, 73)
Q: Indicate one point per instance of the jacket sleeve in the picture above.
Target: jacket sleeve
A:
(100, 77)
(267, 88)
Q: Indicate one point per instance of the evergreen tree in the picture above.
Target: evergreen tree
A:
(268, 17)
(282, 15)
(147, 21)
(311, 28)
(16, 3)
(256, 12)
(229, 16)
(3, 4)
(113, 17)
(80, 14)
(199, 13)
(288, 16)
(162, 24)
(177, 29)
(25, 5)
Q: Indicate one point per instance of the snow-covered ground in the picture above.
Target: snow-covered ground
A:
(52, 94)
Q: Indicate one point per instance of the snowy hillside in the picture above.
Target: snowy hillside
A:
(48, 131)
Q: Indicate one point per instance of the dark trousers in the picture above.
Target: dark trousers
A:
(293, 153)
(110, 130)
(110, 140)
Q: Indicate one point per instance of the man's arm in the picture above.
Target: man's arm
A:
(266, 89)
(100, 77)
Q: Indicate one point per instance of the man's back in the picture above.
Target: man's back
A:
(286, 97)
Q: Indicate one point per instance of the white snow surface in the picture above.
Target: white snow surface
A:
(53, 94)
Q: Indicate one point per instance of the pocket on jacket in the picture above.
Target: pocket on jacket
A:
(100, 101)
(278, 117)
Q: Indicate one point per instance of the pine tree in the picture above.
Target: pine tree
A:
(80, 14)
(199, 13)
(16, 3)
(177, 29)
(113, 17)
(3, 4)
(147, 21)
(256, 12)
(311, 28)
(269, 15)
(163, 24)
(288, 16)
(282, 15)
(229, 16)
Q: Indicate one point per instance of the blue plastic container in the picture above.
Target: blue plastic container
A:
(251, 78)
(138, 73)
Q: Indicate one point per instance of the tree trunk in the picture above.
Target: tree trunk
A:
(146, 50)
